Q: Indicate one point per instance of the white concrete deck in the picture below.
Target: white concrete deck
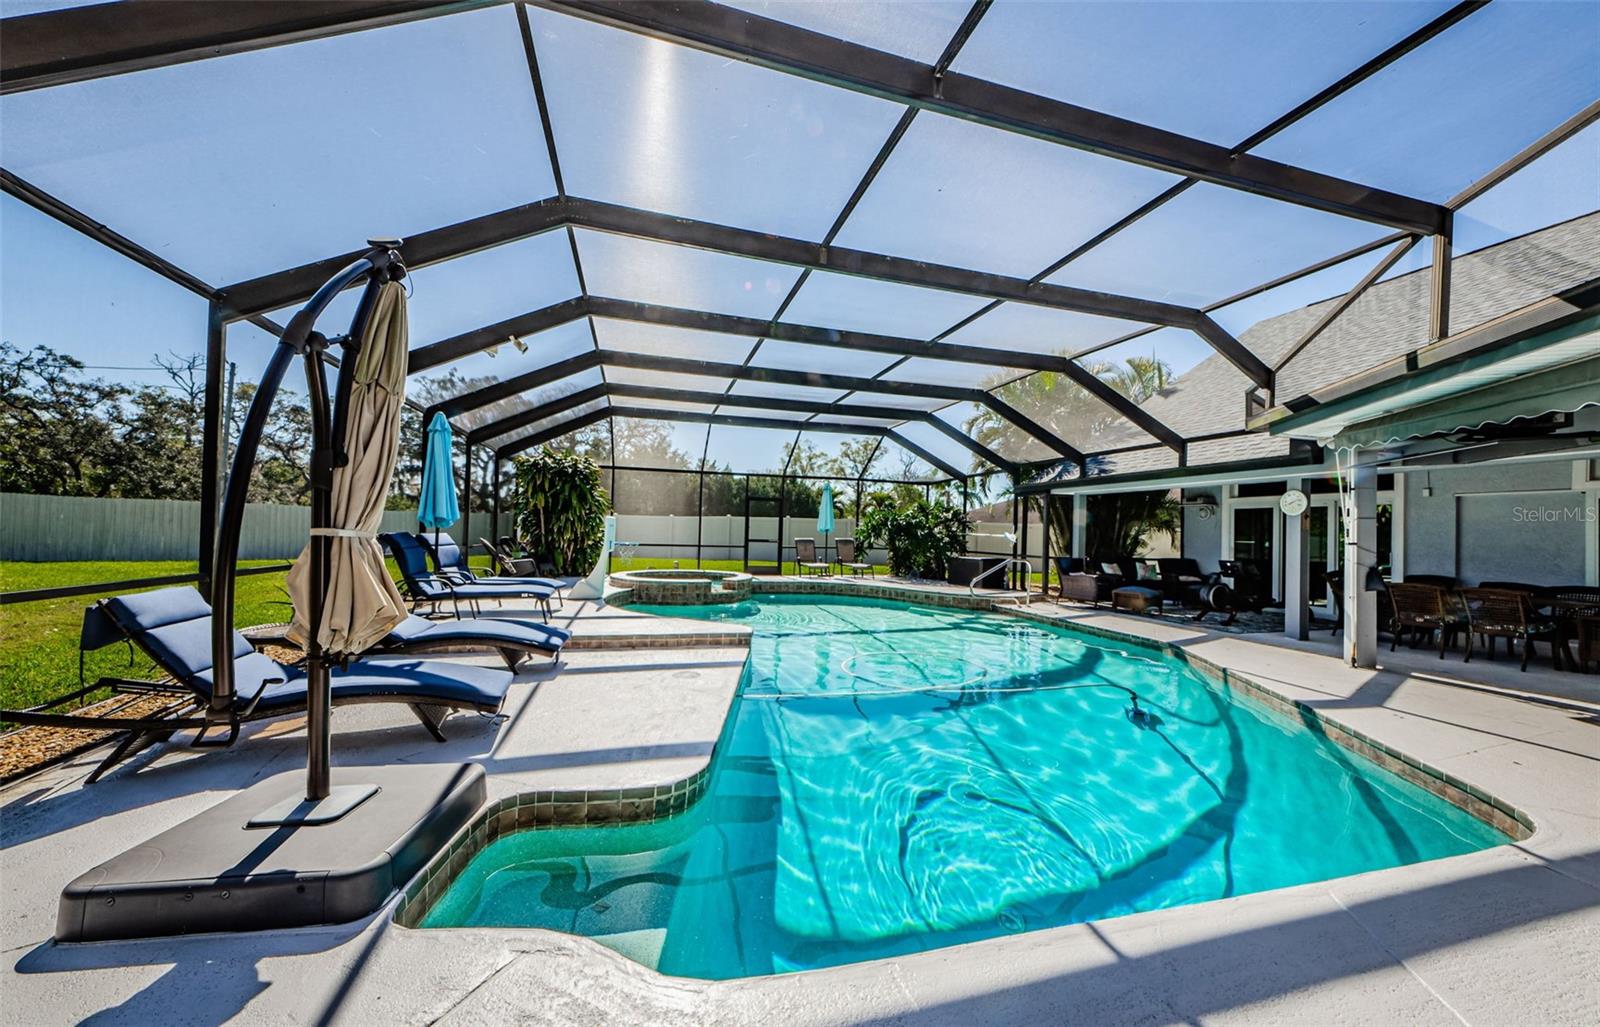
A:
(1507, 935)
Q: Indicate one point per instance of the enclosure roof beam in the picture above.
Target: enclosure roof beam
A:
(804, 406)
(728, 324)
(539, 438)
(788, 48)
(778, 376)
(81, 43)
(281, 288)
(479, 339)
(523, 418)
(272, 291)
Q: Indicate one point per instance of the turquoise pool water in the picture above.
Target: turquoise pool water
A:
(896, 778)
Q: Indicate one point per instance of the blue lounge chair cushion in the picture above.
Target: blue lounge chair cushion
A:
(174, 626)
(416, 630)
(448, 556)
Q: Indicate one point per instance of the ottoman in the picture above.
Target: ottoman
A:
(1136, 598)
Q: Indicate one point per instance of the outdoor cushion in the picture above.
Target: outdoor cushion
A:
(174, 626)
(416, 630)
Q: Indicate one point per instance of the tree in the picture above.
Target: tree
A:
(54, 436)
(1065, 407)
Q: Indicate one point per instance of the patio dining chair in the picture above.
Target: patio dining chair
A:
(1503, 613)
(850, 560)
(1426, 611)
(805, 555)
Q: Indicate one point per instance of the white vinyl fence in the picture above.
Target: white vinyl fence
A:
(49, 528)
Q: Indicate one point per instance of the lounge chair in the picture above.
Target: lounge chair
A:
(849, 559)
(450, 560)
(173, 627)
(504, 564)
(509, 546)
(422, 586)
(805, 557)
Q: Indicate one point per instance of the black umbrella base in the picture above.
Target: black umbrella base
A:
(215, 872)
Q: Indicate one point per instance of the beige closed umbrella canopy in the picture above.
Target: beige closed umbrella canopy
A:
(363, 604)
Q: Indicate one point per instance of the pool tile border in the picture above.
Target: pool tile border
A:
(542, 810)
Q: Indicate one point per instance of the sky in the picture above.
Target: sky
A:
(241, 165)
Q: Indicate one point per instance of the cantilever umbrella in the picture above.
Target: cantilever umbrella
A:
(362, 603)
(825, 516)
(436, 507)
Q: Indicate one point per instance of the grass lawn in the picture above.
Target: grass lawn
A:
(39, 640)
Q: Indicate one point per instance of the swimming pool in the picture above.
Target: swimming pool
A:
(896, 778)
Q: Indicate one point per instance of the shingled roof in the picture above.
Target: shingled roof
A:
(1389, 320)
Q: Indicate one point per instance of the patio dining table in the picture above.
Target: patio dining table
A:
(1565, 612)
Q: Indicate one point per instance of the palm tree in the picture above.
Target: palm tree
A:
(1118, 523)
(1065, 407)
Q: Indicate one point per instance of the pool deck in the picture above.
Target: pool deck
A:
(1506, 935)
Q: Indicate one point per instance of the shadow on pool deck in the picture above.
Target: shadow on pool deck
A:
(1216, 973)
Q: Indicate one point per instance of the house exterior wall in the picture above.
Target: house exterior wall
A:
(1507, 522)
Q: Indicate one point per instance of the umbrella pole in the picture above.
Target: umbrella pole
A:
(319, 697)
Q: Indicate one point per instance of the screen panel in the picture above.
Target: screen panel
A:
(985, 426)
(665, 380)
(832, 300)
(780, 391)
(625, 268)
(928, 371)
(943, 446)
(1210, 243)
(918, 29)
(800, 356)
(1034, 202)
(749, 450)
(210, 162)
(661, 340)
(1216, 71)
(641, 442)
(1446, 114)
(593, 441)
(668, 128)
(469, 292)
(1034, 329)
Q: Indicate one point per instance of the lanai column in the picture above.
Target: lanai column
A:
(1360, 557)
(1296, 572)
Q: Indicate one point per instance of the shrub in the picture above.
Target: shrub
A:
(561, 509)
(921, 536)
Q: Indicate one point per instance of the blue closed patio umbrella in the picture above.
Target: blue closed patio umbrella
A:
(825, 514)
(436, 507)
